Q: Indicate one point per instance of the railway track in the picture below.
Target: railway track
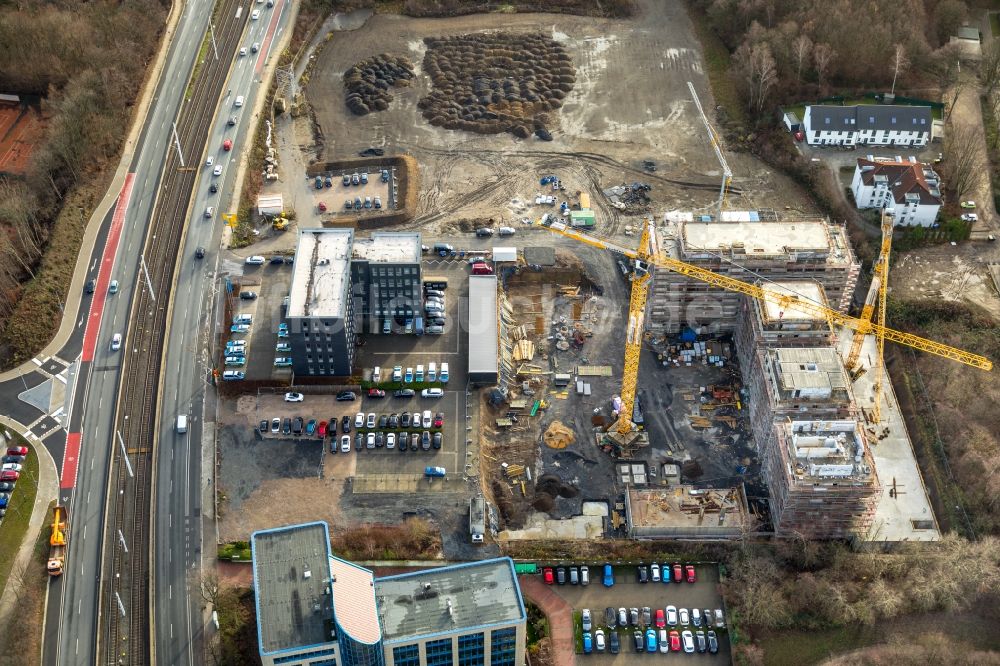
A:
(124, 631)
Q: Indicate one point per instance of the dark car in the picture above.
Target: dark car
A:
(484, 232)
(561, 575)
(436, 440)
(394, 420)
(713, 642)
(372, 152)
(637, 641)
(331, 427)
(200, 253)
(404, 420)
(613, 643)
(700, 638)
(404, 393)
(610, 617)
(383, 420)
(232, 121)
(213, 188)
(415, 442)
(91, 286)
(642, 573)
(633, 615)
(248, 295)
(379, 440)
(346, 396)
(359, 442)
(286, 426)
(345, 423)
(6, 487)
(435, 321)
(263, 427)
(403, 441)
(425, 440)
(20, 459)
(297, 425)
(277, 260)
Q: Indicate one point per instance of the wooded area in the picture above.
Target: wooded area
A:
(87, 61)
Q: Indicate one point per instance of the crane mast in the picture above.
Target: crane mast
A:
(713, 138)
(880, 273)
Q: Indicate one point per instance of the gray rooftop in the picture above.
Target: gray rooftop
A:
(480, 593)
(886, 117)
(291, 568)
(386, 247)
(483, 325)
(321, 274)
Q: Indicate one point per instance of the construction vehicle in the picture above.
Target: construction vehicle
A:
(57, 541)
(477, 519)
(647, 254)
(280, 223)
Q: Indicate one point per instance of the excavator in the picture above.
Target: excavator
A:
(57, 541)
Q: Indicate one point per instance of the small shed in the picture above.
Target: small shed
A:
(792, 122)
(969, 41)
(582, 218)
(504, 254)
(269, 205)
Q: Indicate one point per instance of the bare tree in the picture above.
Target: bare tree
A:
(899, 65)
(989, 67)
(965, 158)
(801, 48)
(823, 55)
(759, 71)
(210, 588)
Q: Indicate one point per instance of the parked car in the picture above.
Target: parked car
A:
(390, 440)
(383, 420)
(968, 204)
(370, 421)
(713, 643)
(650, 640)
(642, 573)
(614, 645)
(294, 397)
(404, 393)
(654, 572)
(696, 617)
(255, 260)
(286, 426)
(609, 576)
(588, 643)
(432, 393)
(345, 444)
(687, 638)
(689, 570)
(404, 420)
(346, 396)
(321, 429)
(484, 232)
(683, 617)
(671, 615)
(506, 231)
(675, 641)
(17, 450)
(9, 475)
(622, 617)
(283, 362)
(370, 441)
(633, 616)
(646, 616)
(345, 423)
(699, 638)
(436, 440)
(359, 420)
(561, 575)
(610, 617)
(275, 426)
(376, 393)
(678, 575)
(719, 621)
(664, 641)
(970, 217)
(660, 622)
(584, 575)
(599, 640)
(586, 620)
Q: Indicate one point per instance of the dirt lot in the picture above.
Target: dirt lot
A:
(599, 141)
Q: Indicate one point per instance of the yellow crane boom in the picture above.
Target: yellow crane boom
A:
(634, 332)
(880, 274)
(786, 300)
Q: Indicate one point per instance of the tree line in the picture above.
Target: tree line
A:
(86, 62)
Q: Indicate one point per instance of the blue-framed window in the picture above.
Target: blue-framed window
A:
(406, 655)
(303, 656)
(503, 646)
(471, 650)
(325, 662)
(438, 652)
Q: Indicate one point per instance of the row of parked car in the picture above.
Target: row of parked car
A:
(662, 617)
(403, 441)
(655, 572)
(653, 641)
(10, 472)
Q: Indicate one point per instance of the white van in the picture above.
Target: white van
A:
(239, 101)
(397, 373)
(431, 393)
(377, 375)
(182, 423)
(432, 372)
(444, 372)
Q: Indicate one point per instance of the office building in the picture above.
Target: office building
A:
(315, 609)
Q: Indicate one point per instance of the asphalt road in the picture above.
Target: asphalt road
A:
(177, 517)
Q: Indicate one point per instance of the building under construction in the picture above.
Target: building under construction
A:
(806, 249)
(808, 427)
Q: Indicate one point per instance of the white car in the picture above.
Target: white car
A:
(599, 640)
(432, 393)
(664, 643)
(687, 640)
(371, 420)
(210, 161)
(243, 51)
(416, 419)
(970, 217)
(685, 617)
(256, 260)
(427, 419)
(654, 572)
(390, 440)
(671, 615)
(217, 171)
(345, 444)
(586, 619)
(11, 467)
(359, 420)
(294, 397)
(255, 15)
(116, 342)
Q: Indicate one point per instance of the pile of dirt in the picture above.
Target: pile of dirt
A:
(497, 82)
(547, 489)
(366, 84)
(558, 436)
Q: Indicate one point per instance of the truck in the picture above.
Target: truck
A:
(57, 541)
(477, 519)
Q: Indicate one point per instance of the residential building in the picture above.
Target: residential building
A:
(315, 609)
(909, 190)
(872, 124)
(342, 285)
(787, 250)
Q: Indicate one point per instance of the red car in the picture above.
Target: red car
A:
(675, 641)
(17, 451)
(376, 393)
(322, 207)
(9, 475)
(227, 144)
(549, 576)
(799, 136)
(439, 420)
(678, 574)
(661, 620)
(689, 569)
(321, 431)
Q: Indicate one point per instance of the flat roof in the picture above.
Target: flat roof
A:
(388, 247)
(828, 450)
(806, 290)
(483, 325)
(504, 253)
(354, 601)
(756, 238)
(809, 368)
(449, 599)
(291, 568)
(321, 273)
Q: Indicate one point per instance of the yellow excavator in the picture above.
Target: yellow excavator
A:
(57, 541)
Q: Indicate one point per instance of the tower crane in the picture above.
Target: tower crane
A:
(648, 254)
(713, 137)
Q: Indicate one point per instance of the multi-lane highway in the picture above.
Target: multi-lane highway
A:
(85, 443)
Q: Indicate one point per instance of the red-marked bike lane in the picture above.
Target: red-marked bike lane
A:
(71, 455)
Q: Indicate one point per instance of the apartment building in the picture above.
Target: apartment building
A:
(869, 124)
(780, 251)
(908, 190)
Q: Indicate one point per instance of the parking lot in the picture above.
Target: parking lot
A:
(272, 285)
(335, 196)
(628, 593)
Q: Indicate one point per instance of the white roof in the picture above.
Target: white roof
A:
(354, 601)
(504, 254)
(321, 273)
(805, 290)
(388, 248)
(757, 238)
